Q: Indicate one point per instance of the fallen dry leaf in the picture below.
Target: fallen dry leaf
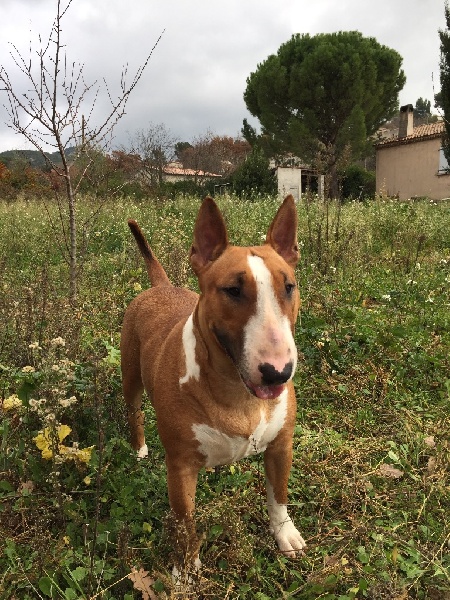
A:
(142, 582)
(387, 470)
(26, 486)
(429, 441)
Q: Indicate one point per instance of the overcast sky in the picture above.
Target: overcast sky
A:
(196, 77)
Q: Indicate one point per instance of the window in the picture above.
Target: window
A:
(443, 164)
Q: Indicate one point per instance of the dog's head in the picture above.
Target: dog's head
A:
(249, 298)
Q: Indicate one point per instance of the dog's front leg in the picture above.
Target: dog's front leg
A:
(182, 483)
(277, 462)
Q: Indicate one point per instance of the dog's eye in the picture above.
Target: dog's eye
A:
(234, 291)
(289, 287)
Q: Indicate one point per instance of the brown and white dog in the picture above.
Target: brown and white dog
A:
(218, 366)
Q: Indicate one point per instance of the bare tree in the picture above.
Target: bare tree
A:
(155, 148)
(210, 153)
(51, 113)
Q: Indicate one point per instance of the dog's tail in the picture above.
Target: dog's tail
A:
(155, 271)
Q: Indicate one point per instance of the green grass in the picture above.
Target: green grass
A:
(370, 487)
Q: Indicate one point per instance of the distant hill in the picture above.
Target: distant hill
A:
(32, 158)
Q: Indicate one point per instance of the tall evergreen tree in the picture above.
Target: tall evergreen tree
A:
(321, 97)
(444, 65)
(422, 108)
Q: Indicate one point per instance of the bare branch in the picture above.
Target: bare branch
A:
(50, 113)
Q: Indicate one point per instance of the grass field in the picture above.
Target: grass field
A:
(370, 485)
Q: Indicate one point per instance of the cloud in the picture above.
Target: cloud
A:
(197, 75)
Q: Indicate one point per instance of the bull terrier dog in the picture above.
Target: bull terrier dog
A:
(218, 366)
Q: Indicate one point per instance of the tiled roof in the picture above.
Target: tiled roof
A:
(187, 172)
(420, 133)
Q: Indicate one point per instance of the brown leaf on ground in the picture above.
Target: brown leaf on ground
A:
(429, 441)
(26, 486)
(387, 470)
(142, 582)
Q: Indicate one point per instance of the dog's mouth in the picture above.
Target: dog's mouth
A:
(264, 392)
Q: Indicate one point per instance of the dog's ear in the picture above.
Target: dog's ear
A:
(210, 235)
(282, 234)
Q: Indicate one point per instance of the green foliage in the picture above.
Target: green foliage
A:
(370, 478)
(422, 108)
(254, 176)
(444, 71)
(358, 183)
(187, 188)
(325, 94)
(180, 147)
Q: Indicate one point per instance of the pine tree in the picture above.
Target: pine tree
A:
(321, 98)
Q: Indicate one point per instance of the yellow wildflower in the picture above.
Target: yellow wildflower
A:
(84, 454)
(28, 369)
(12, 402)
(44, 440)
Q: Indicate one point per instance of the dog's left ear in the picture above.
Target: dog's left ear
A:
(282, 234)
(210, 235)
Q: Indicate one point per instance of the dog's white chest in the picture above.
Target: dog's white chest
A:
(220, 448)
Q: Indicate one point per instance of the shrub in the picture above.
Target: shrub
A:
(254, 176)
(357, 183)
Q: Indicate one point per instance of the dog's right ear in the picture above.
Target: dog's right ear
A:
(210, 235)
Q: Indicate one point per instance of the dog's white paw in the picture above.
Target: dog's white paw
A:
(184, 578)
(142, 452)
(288, 538)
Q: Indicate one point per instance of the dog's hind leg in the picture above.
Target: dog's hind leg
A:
(132, 391)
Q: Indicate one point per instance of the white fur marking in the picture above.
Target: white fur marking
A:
(142, 452)
(183, 577)
(283, 529)
(269, 318)
(189, 341)
(221, 449)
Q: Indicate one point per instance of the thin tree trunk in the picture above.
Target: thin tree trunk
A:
(73, 266)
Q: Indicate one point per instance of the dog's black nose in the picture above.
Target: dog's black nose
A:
(271, 376)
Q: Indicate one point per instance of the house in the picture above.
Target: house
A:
(175, 172)
(299, 180)
(412, 164)
(296, 178)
